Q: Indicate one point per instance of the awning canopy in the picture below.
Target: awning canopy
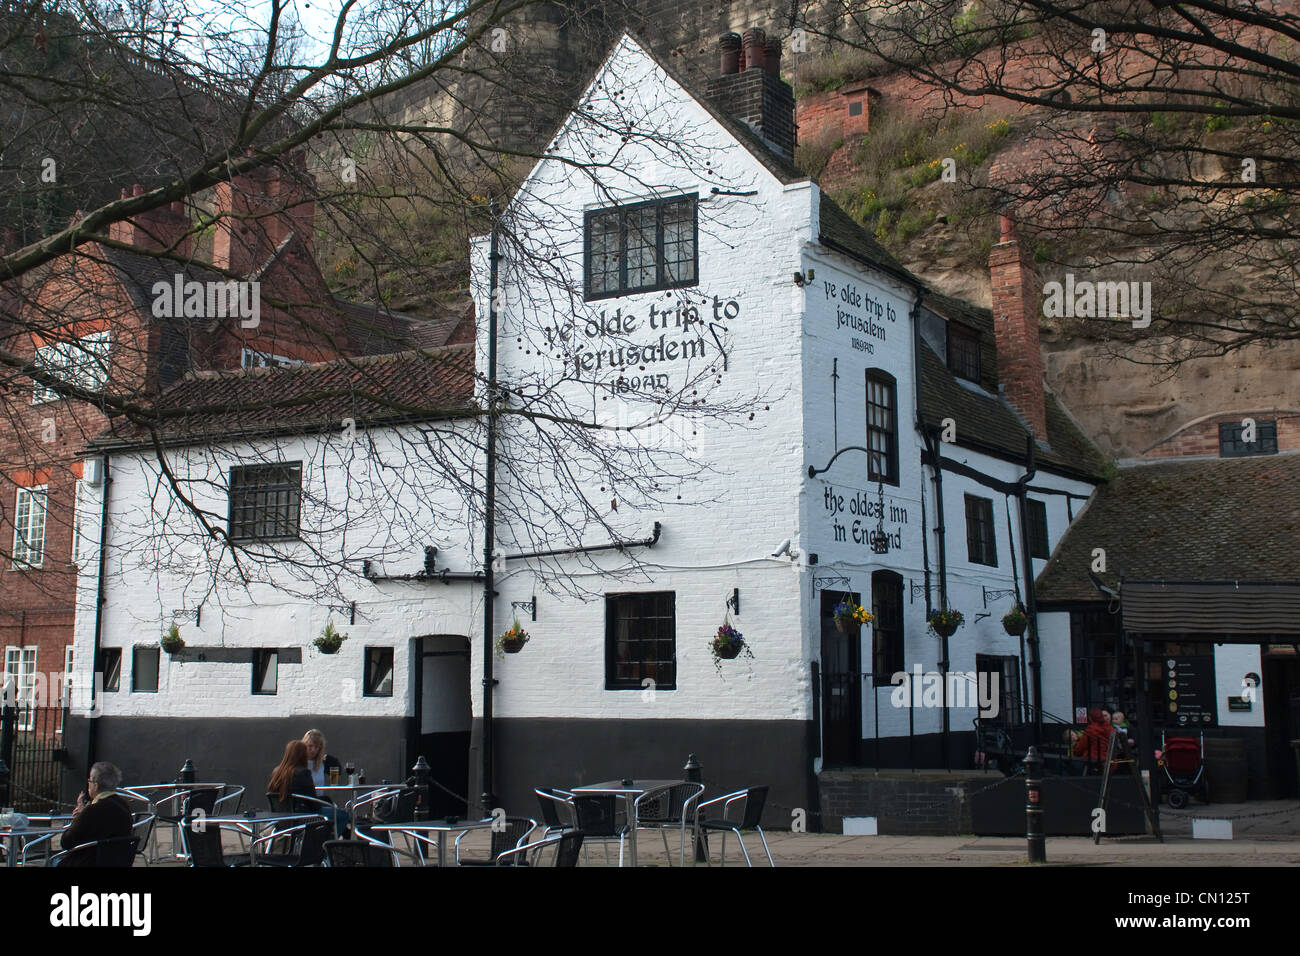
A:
(1224, 612)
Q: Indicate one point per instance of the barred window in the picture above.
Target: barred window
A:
(981, 546)
(1232, 446)
(963, 352)
(265, 501)
(1038, 542)
(641, 640)
(641, 248)
(882, 427)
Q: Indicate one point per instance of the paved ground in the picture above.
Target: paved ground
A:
(1265, 833)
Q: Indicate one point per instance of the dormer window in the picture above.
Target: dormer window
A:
(963, 352)
(643, 247)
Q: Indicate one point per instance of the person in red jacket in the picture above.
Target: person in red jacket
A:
(1094, 743)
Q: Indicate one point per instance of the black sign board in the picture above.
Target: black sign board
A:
(1188, 692)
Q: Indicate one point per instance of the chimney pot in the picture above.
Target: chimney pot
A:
(1008, 229)
(729, 53)
(772, 56)
(754, 40)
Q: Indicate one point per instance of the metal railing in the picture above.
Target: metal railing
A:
(31, 743)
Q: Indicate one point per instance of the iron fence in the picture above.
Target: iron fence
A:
(31, 742)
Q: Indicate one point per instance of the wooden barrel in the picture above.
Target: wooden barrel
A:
(1225, 766)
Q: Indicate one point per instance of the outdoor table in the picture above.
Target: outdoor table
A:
(256, 820)
(436, 826)
(356, 789)
(10, 836)
(629, 792)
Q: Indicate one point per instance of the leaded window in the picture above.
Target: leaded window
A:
(981, 546)
(642, 247)
(641, 640)
(265, 501)
(882, 427)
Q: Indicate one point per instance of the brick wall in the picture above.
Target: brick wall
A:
(1015, 324)
(1202, 438)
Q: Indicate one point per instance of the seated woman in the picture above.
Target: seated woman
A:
(319, 762)
(292, 777)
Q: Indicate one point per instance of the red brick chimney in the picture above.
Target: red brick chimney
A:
(749, 88)
(166, 227)
(1016, 305)
(258, 211)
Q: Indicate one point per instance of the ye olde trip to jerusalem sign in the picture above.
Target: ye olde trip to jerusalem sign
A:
(858, 312)
(630, 351)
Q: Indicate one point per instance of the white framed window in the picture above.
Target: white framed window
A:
(65, 698)
(20, 674)
(251, 358)
(82, 362)
(29, 527)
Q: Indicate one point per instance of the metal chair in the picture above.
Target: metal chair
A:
(597, 818)
(568, 848)
(143, 830)
(308, 848)
(356, 853)
(396, 853)
(203, 848)
(753, 798)
(117, 852)
(556, 809)
(513, 835)
(297, 803)
(668, 808)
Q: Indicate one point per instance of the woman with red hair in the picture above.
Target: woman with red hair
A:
(292, 777)
(1093, 744)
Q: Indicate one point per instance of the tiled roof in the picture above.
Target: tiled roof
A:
(378, 330)
(841, 229)
(382, 389)
(987, 421)
(1210, 519)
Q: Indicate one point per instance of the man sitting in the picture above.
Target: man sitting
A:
(102, 816)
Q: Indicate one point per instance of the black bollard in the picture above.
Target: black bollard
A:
(422, 773)
(188, 773)
(1034, 806)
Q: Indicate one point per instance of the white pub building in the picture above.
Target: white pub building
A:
(856, 438)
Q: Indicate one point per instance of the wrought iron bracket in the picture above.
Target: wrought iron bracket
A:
(529, 606)
(349, 609)
(183, 614)
(733, 602)
(914, 589)
(996, 593)
(829, 581)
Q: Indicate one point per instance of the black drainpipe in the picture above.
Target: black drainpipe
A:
(489, 523)
(920, 427)
(96, 665)
(1031, 605)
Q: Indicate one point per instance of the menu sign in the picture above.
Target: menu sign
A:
(1189, 692)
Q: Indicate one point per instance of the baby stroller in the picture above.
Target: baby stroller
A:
(1181, 758)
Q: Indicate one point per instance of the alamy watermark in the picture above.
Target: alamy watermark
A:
(208, 300)
(963, 689)
(1087, 299)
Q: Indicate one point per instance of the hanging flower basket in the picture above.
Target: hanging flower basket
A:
(171, 640)
(849, 617)
(945, 622)
(513, 640)
(727, 645)
(330, 640)
(1015, 622)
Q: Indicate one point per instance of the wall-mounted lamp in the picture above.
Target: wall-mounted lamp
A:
(805, 278)
(733, 602)
(529, 606)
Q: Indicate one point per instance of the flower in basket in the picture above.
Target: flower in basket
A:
(727, 645)
(1015, 621)
(330, 640)
(945, 621)
(512, 641)
(848, 614)
(171, 640)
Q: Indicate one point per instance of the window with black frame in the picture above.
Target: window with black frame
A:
(642, 247)
(111, 667)
(1232, 445)
(379, 672)
(882, 427)
(1037, 527)
(886, 626)
(265, 502)
(641, 640)
(266, 670)
(981, 546)
(963, 352)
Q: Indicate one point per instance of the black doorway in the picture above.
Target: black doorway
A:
(841, 686)
(442, 718)
(1281, 687)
